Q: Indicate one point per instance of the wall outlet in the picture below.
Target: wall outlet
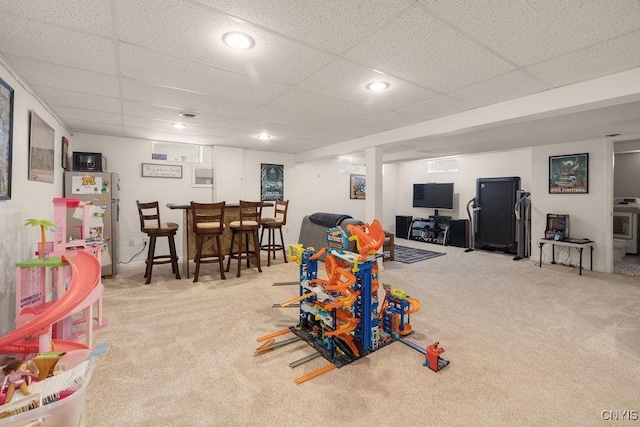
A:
(132, 242)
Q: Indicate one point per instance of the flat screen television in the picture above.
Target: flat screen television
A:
(433, 195)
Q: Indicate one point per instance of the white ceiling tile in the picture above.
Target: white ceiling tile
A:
(64, 78)
(161, 135)
(247, 141)
(166, 126)
(252, 137)
(139, 91)
(293, 117)
(91, 16)
(87, 115)
(66, 98)
(322, 138)
(389, 119)
(507, 86)
(256, 127)
(346, 80)
(439, 106)
(331, 25)
(172, 115)
(441, 57)
(527, 32)
(57, 45)
(355, 130)
(145, 65)
(421, 49)
(311, 103)
(93, 127)
(621, 53)
(196, 33)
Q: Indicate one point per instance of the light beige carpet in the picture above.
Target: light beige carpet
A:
(527, 345)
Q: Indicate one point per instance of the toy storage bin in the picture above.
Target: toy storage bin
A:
(64, 412)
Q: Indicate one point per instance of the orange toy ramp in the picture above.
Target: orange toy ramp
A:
(85, 277)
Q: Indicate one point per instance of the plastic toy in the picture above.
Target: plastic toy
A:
(35, 336)
(44, 225)
(340, 317)
(434, 361)
(17, 375)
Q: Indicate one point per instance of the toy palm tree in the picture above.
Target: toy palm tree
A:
(44, 225)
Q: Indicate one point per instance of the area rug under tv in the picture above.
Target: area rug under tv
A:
(407, 255)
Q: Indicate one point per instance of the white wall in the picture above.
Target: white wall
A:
(125, 157)
(318, 186)
(29, 199)
(590, 214)
(470, 168)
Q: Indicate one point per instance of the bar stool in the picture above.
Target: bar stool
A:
(271, 225)
(247, 224)
(208, 224)
(151, 225)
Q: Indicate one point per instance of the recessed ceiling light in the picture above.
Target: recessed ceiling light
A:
(264, 136)
(238, 40)
(377, 86)
(178, 126)
(187, 115)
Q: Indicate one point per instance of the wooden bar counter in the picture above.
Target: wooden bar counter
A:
(231, 213)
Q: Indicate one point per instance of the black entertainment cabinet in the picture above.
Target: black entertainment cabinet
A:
(431, 230)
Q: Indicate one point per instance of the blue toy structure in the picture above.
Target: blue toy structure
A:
(341, 317)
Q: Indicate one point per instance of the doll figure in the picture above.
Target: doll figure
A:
(17, 375)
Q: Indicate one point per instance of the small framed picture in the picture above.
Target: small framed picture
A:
(357, 187)
(569, 174)
(65, 152)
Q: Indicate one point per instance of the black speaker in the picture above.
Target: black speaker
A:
(459, 233)
(402, 226)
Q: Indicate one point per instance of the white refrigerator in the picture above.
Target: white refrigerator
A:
(100, 189)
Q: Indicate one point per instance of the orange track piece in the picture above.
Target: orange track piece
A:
(268, 345)
(274, 334)
(315, 373)
(296, 299)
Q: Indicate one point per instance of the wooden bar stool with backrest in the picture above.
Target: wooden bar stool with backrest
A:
(247, 224)
(271, 225)
(208, 225)
(151, 225)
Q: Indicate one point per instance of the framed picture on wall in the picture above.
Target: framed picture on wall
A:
(6, 139)
(65, 152)
(357, 187)
(271, 182)
(569, 174)
(41, 149)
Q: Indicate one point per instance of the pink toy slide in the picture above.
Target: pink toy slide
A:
(85, 289)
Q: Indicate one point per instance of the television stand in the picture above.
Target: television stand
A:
(434, 229)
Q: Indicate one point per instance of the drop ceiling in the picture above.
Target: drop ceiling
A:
(128, 68)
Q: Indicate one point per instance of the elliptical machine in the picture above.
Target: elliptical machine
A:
(522, 212)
